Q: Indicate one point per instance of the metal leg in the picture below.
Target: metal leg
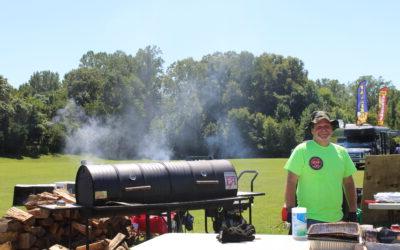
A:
(148, 234)
(250, 204)
(87, 233)
(391, 216)
(179, 217)
(70, 227)
(205, 220)
(169, 221)
(240, 208)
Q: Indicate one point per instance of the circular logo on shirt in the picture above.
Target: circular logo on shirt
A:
(316, 163)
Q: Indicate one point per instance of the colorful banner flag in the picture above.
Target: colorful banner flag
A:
(382, 105)
(362, 103)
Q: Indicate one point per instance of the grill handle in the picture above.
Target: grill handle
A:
(249, 172)
(138, 188)
(208, 182)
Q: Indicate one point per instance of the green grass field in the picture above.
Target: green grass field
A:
(50, 169)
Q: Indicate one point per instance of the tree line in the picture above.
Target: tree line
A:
(225, 105)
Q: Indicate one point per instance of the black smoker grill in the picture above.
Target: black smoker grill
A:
(154, 188)
(160, 182)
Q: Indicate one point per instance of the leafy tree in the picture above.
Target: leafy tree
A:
(150, 72)
(393, 109)
(303, 131)
(240, 132)
(271, 137)
(85, 86)
(287, 137)
(6, 90)
(55, 138)
(282, 112)
(43, 82)
(277, 79)
(6, 111)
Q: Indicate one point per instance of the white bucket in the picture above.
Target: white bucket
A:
(299, 223)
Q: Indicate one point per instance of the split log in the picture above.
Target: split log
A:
(31, 202)
(97, 232)
(59, 233)
(35, 230)
(100, 224)
(57, 215)
(26, 240)
(33, 197)
(6, 246)
(123, 246)
(96, 223)
(65, 230)
(67, 214)
(79, 227)
(99, 245)
(65, 195)
(116, 241)
(58, 247)
(48, 196)
(20, 215)
(75, 215)
(39, 213)
(8, 236)
(41, 243)
(45, 202)
(116, 221)
(46, 222)
(54, 228)
(44, 198)
(9, 225)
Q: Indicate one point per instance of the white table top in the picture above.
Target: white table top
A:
(384, 206)
(189, 241)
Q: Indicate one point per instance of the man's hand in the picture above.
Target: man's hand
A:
(290, 193)
(350, 192)
(289, 217)
(286, 215)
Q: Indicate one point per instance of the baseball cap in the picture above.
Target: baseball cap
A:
(317, 116)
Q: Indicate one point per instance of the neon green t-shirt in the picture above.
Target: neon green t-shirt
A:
(320, 185)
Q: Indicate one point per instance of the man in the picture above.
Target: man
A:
(318, 171)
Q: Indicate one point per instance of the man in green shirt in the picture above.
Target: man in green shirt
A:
(318, 171)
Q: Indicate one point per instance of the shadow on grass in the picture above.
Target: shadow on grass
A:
(11, 156)
(22, 156)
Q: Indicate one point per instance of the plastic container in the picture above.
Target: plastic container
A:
(299, 223)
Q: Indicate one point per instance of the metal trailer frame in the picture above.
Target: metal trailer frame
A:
(241, 201)
(123, 208)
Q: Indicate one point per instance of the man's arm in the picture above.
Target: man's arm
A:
(290, 194)
(351, 194)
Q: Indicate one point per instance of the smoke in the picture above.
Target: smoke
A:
(191, 120)
(118, 137)
(155, 143)
(71, 116)
(124, 137)
(197, 102)
(228, 145)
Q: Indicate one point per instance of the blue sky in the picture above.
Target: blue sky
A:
(335, 39)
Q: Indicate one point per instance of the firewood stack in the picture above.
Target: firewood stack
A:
(39, 228)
